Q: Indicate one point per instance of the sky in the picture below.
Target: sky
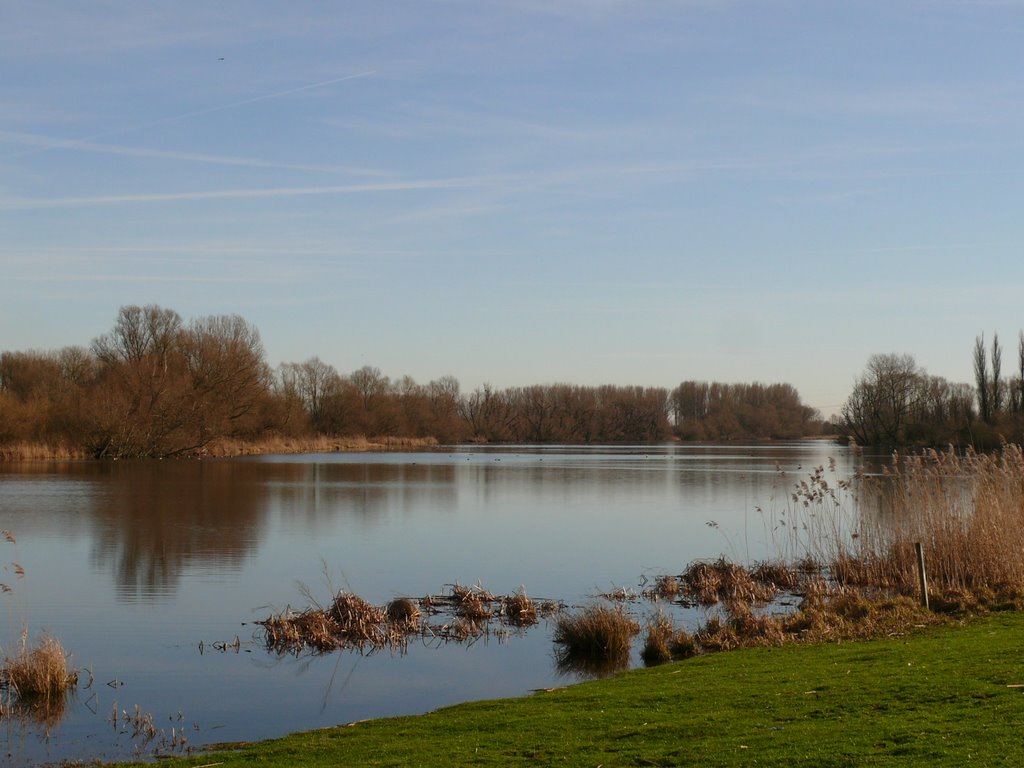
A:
(520, 192)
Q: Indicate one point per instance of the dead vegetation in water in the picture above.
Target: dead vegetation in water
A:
(140, 726)
(595, 639)
(665, 642)
(461, 614)
(36, 681)
(846, 569)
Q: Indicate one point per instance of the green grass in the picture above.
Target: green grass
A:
(939, 697)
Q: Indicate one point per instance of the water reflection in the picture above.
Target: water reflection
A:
(308, 493)
(156, 519)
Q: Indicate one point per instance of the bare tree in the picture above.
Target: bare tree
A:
(981, 379)
(314, 382)
(883, 399)
(998, 391)
(1019, 384)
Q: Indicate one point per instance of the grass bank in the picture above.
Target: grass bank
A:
(941, 696)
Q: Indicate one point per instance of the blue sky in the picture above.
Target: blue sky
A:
(520, 191)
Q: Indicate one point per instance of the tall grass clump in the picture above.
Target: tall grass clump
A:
(35, 679)
(38, 675)
(664, 642)
(597, 634)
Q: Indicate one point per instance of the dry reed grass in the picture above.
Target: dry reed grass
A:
(36, 680)
(23, 451)
(777, 575)
(966, 510)
(656, 644)
(664, 642)
(595, 633)
(350, 622)
(225, 447)
(518, 610)
(664, 588)
(472, 603)
(709, 583)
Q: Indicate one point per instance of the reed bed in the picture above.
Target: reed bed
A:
(462, 614)
(708, 583)
(278, 444)
(967, 512)
(24, 451)
(847, 552)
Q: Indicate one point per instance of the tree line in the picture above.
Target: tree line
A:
(156, 385)
(895, 402)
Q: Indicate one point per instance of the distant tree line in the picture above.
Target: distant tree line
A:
(896, 403)
(155, 385)
(703, 411)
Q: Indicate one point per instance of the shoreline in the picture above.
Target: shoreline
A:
(231, 448)
(939, 695)
(224, 449)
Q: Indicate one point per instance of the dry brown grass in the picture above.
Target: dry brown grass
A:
(665, 642)
(23, 451)
(472, 603)
(722, 581)
(664, 588)
(461, 615)
(519, 610)
(966, 510)
(350, 622)
(596, 633)
(777, 575)
(657, 642)
(319, 444)
(36, 680)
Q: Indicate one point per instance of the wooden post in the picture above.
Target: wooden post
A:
(921, 574)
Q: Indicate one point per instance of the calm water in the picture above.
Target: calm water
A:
(136, 566)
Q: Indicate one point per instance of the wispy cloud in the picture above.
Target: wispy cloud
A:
(583, 180)
(23, 203)
(121, 130)
(967, 101)
(81, 145)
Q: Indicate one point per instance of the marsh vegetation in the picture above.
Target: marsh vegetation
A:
(462, 614)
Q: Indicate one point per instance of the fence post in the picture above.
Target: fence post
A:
(921, 574)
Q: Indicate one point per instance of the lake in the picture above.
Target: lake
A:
(148, 571)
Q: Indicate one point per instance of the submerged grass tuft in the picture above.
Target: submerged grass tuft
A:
(596, 633)
(36, 680)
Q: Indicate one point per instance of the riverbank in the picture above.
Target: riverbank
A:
(225, 448)
(229, 448)
(944, 695)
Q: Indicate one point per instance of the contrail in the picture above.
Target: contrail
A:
(70, 143)
(462, 182)
(47, 142)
